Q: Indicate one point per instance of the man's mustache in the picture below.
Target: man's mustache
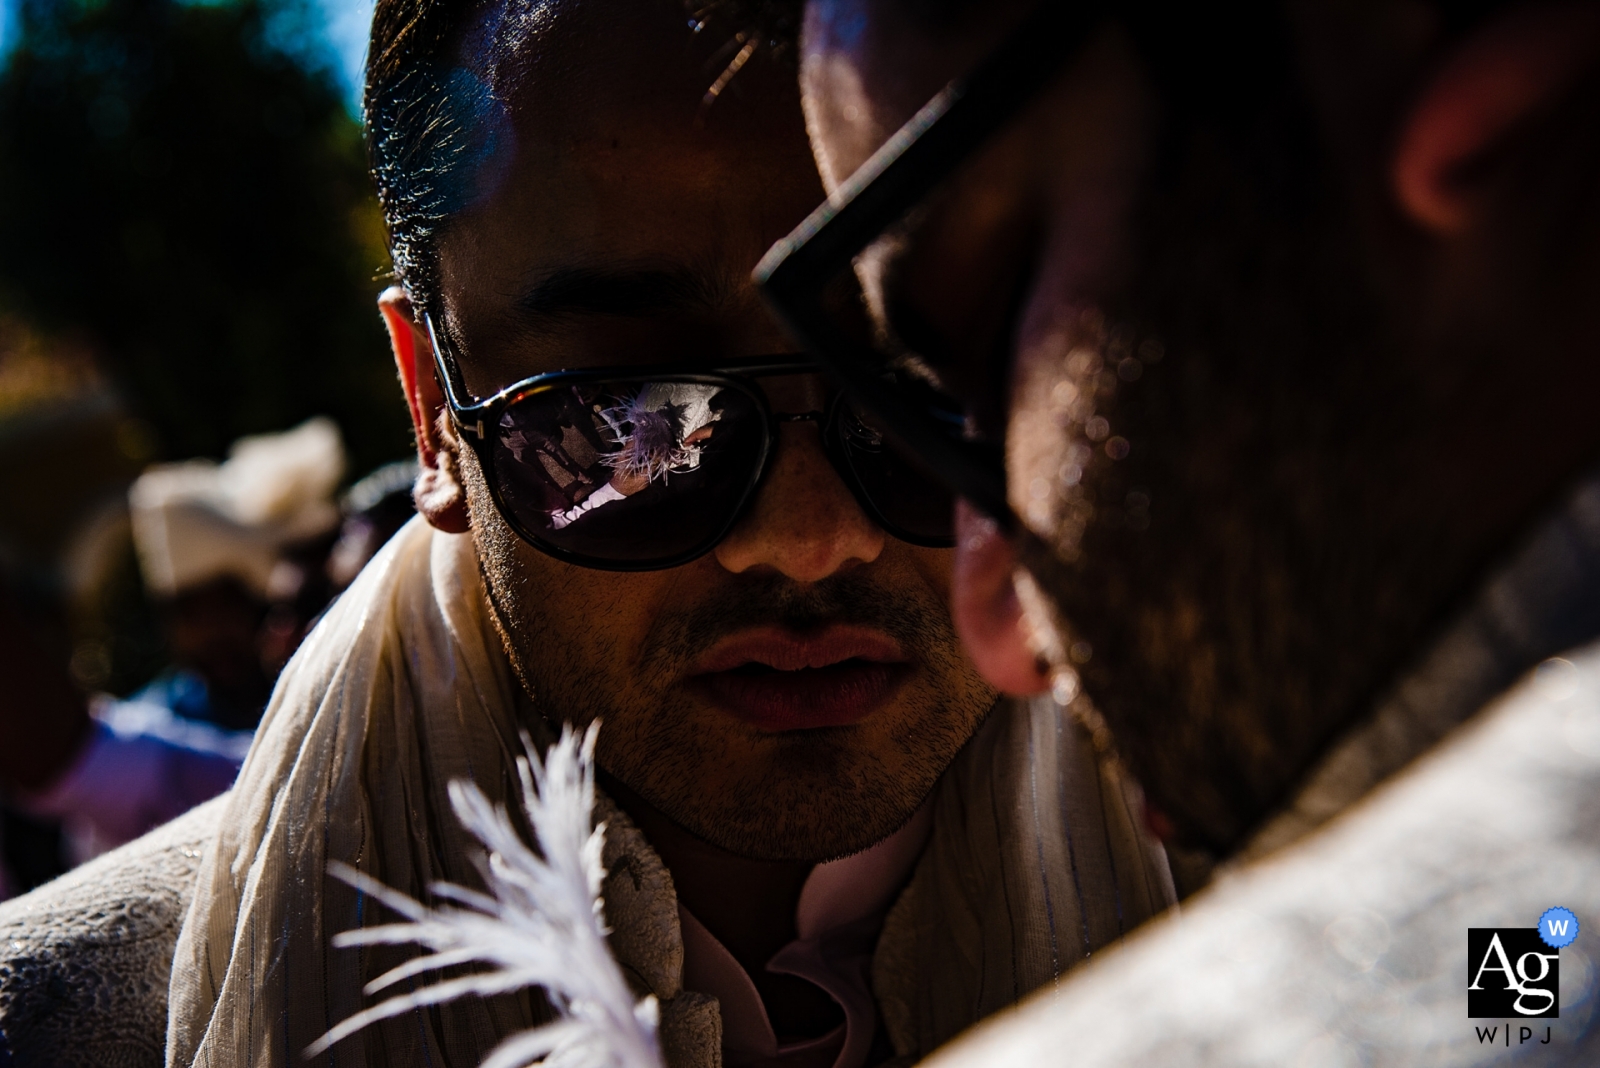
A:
(917, 620)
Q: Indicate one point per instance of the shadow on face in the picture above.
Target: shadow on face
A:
(795, 692)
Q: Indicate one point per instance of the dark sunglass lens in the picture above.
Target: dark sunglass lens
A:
(910, 502)
(628, 473)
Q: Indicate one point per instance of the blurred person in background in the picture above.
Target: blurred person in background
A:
(220, 545)
(225, 551)
(375, 508)
(240, 558)
(1276, 332)
(43, 723)
(68, 449)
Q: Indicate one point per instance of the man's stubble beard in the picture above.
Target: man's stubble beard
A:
(1241, 582)
(816, 794)
(819, 793)
(1298, 549)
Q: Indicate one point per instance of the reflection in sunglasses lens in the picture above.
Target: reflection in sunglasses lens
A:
(628, 472)
(644, 473)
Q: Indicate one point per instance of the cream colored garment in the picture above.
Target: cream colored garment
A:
(84, 959)
(1347, 947)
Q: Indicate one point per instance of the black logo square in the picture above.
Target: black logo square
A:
(1511, 973)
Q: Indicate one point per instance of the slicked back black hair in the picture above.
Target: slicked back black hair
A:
(431, 121)
(416, 141)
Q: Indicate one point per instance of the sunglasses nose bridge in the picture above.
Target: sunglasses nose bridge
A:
(832, 449)
(776, 421)
(827, 431)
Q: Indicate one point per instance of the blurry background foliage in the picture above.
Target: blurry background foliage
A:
(189, 252)
(179, 191)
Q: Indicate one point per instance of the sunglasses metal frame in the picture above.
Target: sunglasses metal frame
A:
(475, 420)
(933, 144)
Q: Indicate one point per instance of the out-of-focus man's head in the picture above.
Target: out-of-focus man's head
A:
(672, 537)
(1284, 312)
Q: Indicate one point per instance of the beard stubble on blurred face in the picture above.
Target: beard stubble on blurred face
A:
(1252, 467)
(795, 694)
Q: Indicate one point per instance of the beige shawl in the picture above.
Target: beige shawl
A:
(1034, 859)
(401, 688)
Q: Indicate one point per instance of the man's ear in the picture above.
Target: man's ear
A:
(1494, 81)
(986, 610)
(439, 493)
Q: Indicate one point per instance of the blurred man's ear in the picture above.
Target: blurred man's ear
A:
(1492, 83)
(984, 605)
(438, 492)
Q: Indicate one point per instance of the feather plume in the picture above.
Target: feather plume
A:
(651, 437)
(541, 924)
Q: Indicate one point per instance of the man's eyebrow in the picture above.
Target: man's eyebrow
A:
(581, 291)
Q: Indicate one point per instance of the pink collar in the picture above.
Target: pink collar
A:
(838, 918)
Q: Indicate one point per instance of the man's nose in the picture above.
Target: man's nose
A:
(805, 523)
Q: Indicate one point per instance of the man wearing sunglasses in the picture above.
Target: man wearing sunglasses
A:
(639, 504)
(1275, 327)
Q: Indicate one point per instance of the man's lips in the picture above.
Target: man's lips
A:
(777, 680)
(784, 650)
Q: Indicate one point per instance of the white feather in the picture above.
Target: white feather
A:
(541, 924)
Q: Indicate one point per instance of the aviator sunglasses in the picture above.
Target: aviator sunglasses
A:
(639, 469)
(796, 273)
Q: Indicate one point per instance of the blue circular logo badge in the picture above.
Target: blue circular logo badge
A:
(1558, 927)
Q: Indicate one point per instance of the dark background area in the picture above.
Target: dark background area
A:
(194, 206)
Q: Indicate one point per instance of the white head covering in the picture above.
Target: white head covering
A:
(199, 520)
